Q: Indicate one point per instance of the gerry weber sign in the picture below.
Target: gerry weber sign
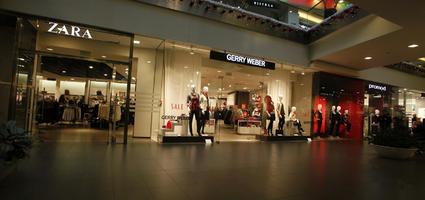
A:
(69, 30)
(227, 57)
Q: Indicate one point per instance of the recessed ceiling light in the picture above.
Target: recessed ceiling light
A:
(230, 85)
(341, 1)
(136, 42)
(413, 46)
(218, 71)
(49, 49)
(113, 76)
(64, 71)
(186, 67)
(293, 71)
(208, 84)
(245, 88)
(105, 74)
(72, 79)
(21, 66)
(149, 62)
(21, 59)
(302, 73)
(197, 73)
(126, 69)
(126, 72)
(422, 59)
(267, 74)
(191, 52)
(90, 67)
(133, 78)
(368, 58)
(103, 56)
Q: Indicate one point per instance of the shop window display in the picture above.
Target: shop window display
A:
(207, 96)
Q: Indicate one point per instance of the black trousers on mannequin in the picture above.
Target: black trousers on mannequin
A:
(205, 118)
(197, 114)
(270, 127)
(347, 126)
(319, 127)
(331, 131)
(281, 123)
(338, 125)
(300, 129)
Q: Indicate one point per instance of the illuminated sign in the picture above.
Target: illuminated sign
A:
(263, 4)
(377, 87)
(241, 60)
(70, 30)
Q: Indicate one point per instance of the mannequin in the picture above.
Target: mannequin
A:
(332, 120)
(338, 120)
(346, 122)
(256, 112)
(319, 118)
(270, 114)
(281, 114)
(375, 121)
(205, 107)
(194, 110)
(295, 121)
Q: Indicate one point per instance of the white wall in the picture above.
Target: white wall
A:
(134, 17)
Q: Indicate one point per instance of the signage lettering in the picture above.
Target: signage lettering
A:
(263, 4)
(377, 87)
(241, 60)
(73, 30)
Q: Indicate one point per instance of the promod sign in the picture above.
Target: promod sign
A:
(228, 57)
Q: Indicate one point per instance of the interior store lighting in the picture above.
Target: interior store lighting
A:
(368, 58)
(303, 73)
(218, 71)
(90, 67)
(105, 74)
(64, 71)
(103, 56)
(136, 42)
(149, 62)
(49, 49)
(422, 59)
(413, 46)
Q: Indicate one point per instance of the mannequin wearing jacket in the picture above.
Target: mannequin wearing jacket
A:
(281, 113)
(194, 110)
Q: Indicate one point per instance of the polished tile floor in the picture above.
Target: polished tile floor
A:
(256, 170)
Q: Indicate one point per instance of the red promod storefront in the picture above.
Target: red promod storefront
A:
(357, 99)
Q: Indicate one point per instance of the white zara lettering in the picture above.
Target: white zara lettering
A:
(377, 87)
(73, 30)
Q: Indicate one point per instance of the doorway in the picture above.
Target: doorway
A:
(75, 83)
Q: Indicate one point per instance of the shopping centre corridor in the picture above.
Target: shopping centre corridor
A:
(258, 170)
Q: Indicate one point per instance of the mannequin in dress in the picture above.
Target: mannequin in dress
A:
(346, 122)
(332, 120)
(319, 119)
(194, 110)
(205, 107)
(338, 120)
(281, 113)
(270, 114)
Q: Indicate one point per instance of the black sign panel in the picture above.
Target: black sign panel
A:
(263, 4)
(377, 88)
(228, 57)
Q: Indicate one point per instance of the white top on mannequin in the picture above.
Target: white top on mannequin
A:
(293, 115)
(279, 106)
(204, 99)
(377, 112)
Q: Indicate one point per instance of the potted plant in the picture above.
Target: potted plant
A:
(14, 145)
(396, 143)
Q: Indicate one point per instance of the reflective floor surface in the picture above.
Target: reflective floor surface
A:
(255, 170)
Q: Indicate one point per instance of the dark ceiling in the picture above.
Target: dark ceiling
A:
(78, 68)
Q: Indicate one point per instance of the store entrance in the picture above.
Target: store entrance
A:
(80, 99)
(74, 82)
(235, 97)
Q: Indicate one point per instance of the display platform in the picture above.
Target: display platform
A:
(185, 139)
(281, 138)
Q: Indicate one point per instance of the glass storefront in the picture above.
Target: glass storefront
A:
(71, 81)
(205, 95)
(352, 108)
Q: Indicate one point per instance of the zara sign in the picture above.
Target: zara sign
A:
(69, 30)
